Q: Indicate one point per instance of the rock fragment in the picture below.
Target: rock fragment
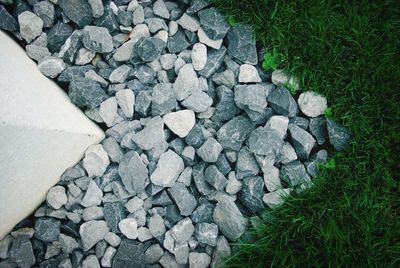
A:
(339, 137)
(96, 160)
(97, 39)
(30, 26)
(210, 150)
(181, 122)
(56, 197)
(168, 169)
(312, 104)
(92, 232)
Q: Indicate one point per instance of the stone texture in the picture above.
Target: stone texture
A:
(86, 93)
(114, 212)
(282, 102)
(182, 231)
(199, 260)
(126, 100)
(276, 199)
(302, 141)
(188, 23)
(234, 133)
(226, 108)
(241, 44)
(199, 56)
(339, 136)
(215, 178)
(97, 39)
(45, 10)
(251, 194)
(93, 195)
(56, 197)
(163, 100)
(264, 141)
(213, 23)
(154, 128)
(47, 229)
(96, 160)
(198, 102)
(248, 74)
(206, 233)
(181, 122)
(130, 254)
(128, 227)
(168, 169)
(7, 21)
(79, 11)
(156, 225)
(183, 199)
(21, 252)
(215, 57)
(92, 232)
(120, 74)
(210, 150)
(312, 104)
(30, 26)
(246, 164)
(295, 173)
(251, 98)
(186, 82)
(133, 172)
(149, 49)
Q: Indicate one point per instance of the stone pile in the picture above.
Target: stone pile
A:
(198, 137)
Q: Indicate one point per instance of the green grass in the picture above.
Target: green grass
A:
(350, 52)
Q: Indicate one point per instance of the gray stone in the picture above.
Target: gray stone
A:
(7, 21)
(199, 260)
(198, 102)
(263, 141)
(215, 58)
(93, 195)
(199, 56)
(163, 100)
(251, 98)
(57, 36)
(300, 121)
(5, 245)
(206, 233)
(92, 232)
(160, 9)
(168, 261)
(248, 74)
(97, 8)
(279, 123)
(129, 228)
(241, 44)
(226, 78)
(125, 51)
(197, 5)
(186, 82)
(203, 213)
(234, 133)
(188, 23)
(106, 260)
(280, 78)
(149, 49)
(282, 102)
(318, 129)
(183, 199)
(113, 213)
(79, 11)
(86, 93)
(51, 66)
(203, 38)
(21, 252)
(246, 164)
(69, 48)
(213, 23)
(195, 138)
(181, 253)
(177, 42)
(223, 164)
(145, 74)
(96, 160)
(153, 254)
(156, 225)
(233, 185)
(144, 234)
(138, 15)
(180, 122)
(112, 148)
(288, 153)
(92, 213)
(229, 219)
(215, 178)
(210, 150)
(252, 193)
(277, 198)
(30, 26)
(312, 104)
(182, 231)
(221, 252)
(168, 61)
(226, 108)
(120, 74)
(154, 128)
(90, 262)
(339, 136)
(295, 173)
(156, 24)
(68, 244)
(84, 56)
(130, 254)
(133, 173)
(97, 39)
(143, 103)
(302, 141)
(47, 229)
(56, 197)
(45, 10)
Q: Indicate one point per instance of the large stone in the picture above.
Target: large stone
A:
(264, 141)
(79, 11)
(312, 104)
(203, 38)
(45, 10)
(86, 93)
(279, 123)
(241, 44)
(188, 23)
(56, 197)
(113, 213)
(97, 39)
(229, 218)
(168, 169)
(339, 136)
(319, 129)
(92, 232)
(130, 254)
(252, 193)
(91, 261)
(93, 195)
(97, 8)
(149, 49)
(206, 233)
(182, 231)
(96, 160)
(199, 56)
(251, 98)
(21, 252)
(210, 150)
(234, 133)
(295, 174)
(129, 228)
(160, 9)
(282, 102)
(302, 141)
(199, 260)
(203, 213)
(133, 172)
(198, 102)
(186, 83)
(156, 225)
(213, 23)
(177, 42)
(58, 35)
(47, 229)
(120, 74)
(246, 164)
(181, 122)
(215, 57)
(183, 199)
(215, 178)
(163, 100)
(51, 66)
(153, 254)
(126, 100)
(30, 26)
(7, 21)
(248, 74)
(154, 128)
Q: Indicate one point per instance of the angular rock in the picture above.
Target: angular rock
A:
(226, 78)
(154, 128)
(312, 104)
(47, 229)
(97, 39)
(181, 122)
(226, 108)
(221, 252)
(7, 21)
(128, 228)
(276, 199)
(113, 213)
(263, 141)
(246, 164)
(56, 197)
(86, 93)
(58, 35)
(130, 254)
(79, 11)
(120, 74)
(199, 260)
(215, 57)
(156, 225)
(92, 213)
(215, 178)
(84, 56)
(30, 26)
(206, 233)
(126, 100)
(248, 74)
(160, 9)
(251, 98)
(90, 261)
(279, 123)
(198, 102)
(197, 5)
(203, 38)
(149, 49)
(168, 169)
(142, 103)
(108, 111)
(213, 23)
(241, 44)
(177, 42)
(203, 213)
(199, 56)
(21, 252)
(339, 136)
(186, 82)
(302, 141)
(96, 160)
(233, 185)
(295, 174)
(282, 102)
(210, 150)
(97, 8)
(163, 100)
(188, 23)
(234, 133)
(51, 66)
(125, 52)
(92, 232)
(168, 61)
(153, 254)
(93, 195)
(251, 194)
(45, 10)
(182, 231)
(183, 199)
(318, 129)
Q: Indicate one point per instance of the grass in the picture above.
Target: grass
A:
(350, 52)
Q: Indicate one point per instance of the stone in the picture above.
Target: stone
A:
(156, 225)
(215, 58)
(248, 74)
(153, 254)
(97, 8)
(149, 49)
(229, 219)
(91, 261)
(21, 252)
(47, 229)
(168, 261)
(198, 102)
(186, 83)
(177, 42)
(271, 178)
(288, 153)
(163, 100)
(5, 245)
(241, 44)
(300, 121)
(168, 169)
(144, 234)
(203, 38)
(221, 252)
(264, 141)
(84, 56)
(130, 254)
(58, 35)
(182, 231)
(37, 52)
(92, 232)
(168, 61)
(210, 150)
(113, 213)
(106, 260)
(302, 141)
(143, 103)
(134, 204)
(97, 39)
(197, 5)
(251, 194)
(30, 26)
(120, 74)
(81, 16)
(181, 253)
(86, 93)
(96, 160)
(226, 78)
(203, 213)
(68, 244)
(56, 197)
(233, 185)
(282, 102)
(93, 195)
(125, 51)
(277, 198)
(280, 78)
(51, 66)
(188, 23)
(112, 148)
(138, 15)
(213, 23)
(318, 129)
(160, 9)
(295, 174)
(279, 123)
(206, 233)
(246, 164)
(7, 21)
(215, 178)
(199, 260)
(156, 24)
(128, 228)
(199, 56)
(92, 213)
(181, 122)
(126, 100)
(145, 74)
(45, 10)
(154, 128)
(226, 108)
(312, 104)
(339, 136)
(250, 98)
(232, 134)
(183, 199)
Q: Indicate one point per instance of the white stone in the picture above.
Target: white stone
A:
(108, 111)
(125, 52)
(126, 100)
(92, 232)
(163, 35)
(312, 104)
(129, 227)
(199, 56)
(57, 197)
(186, 83)
(288, 153)
(51, 66)
(84, 56)
(272, 180)
(139, 31)
(144, 234)
(248, 74)
(106, 260)
(173, 28)
(112, 239)
(203, 38)
(168, 169)
(160, 9)
(93, 195)
(97, 8)
(279, 123)
(181, 122)
(134, 204)
(188, 23)
(91, 261)
(30, 26)
(132, 5)
(96, 160)
(276, 199)
(168, 61)
(279, 78)
(234, 185)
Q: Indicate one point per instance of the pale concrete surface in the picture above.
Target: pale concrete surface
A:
(41, 134)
